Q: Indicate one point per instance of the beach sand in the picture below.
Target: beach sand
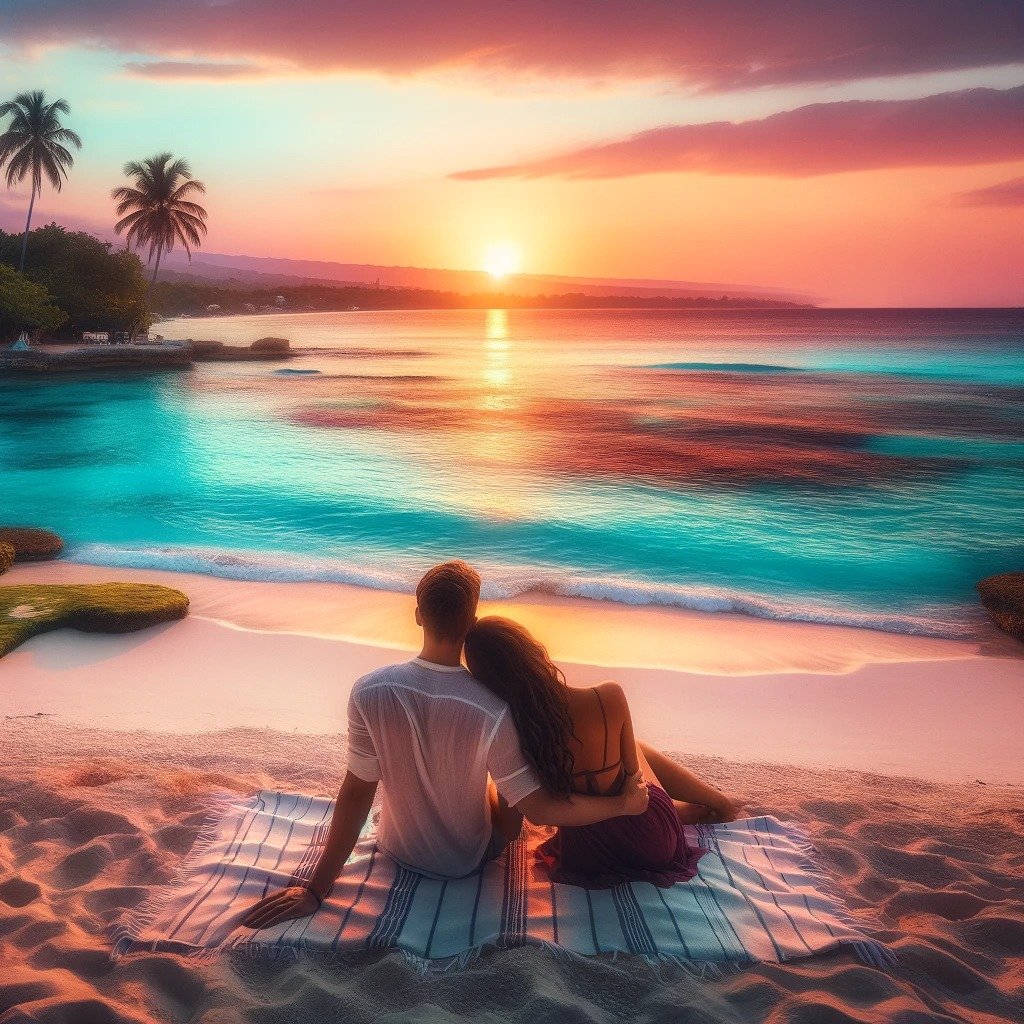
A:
(899, 755)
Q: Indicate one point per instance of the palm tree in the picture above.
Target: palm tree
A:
(36, 144)
(161, 213)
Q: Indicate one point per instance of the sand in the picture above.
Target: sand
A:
(899, 755)
(286, 655)
(90, 818)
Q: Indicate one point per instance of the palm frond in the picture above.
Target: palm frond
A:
(192, 209)
(18, 166)
(68, 136)
(188, 188)
(130, 221)
(34, 143)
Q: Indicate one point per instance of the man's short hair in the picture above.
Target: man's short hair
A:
(447, 597)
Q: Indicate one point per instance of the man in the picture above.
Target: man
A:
(431, 735)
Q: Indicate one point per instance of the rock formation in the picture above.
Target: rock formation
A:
(263, 349)
(30, 544)
(270, 345)
(26, 611)
(1003, 598)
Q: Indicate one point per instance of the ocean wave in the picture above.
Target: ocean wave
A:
(1003, 373)
(504, 582)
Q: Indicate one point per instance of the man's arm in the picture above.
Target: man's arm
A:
(353, 805)
(521, 786)
(543, 809)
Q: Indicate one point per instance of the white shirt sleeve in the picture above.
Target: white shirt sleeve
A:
(362, 754)
(512, 773)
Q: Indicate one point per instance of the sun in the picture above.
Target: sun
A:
(502, 259)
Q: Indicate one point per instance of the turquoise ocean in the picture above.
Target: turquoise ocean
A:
(862, 467)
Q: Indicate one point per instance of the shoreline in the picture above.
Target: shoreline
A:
(519, 583)
(579, 629)
(284, 656)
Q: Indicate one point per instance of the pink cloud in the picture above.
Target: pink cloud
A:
(1006, 193)
(191, 70)
(971, 127)
(713, 44)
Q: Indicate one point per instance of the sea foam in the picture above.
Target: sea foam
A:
(506, 582)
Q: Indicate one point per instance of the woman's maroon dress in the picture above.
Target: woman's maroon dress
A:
(648, 847)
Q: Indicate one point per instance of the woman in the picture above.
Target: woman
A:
(581, 741)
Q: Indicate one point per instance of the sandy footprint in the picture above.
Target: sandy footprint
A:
(952, 905)
(82, 866)
(85, 823)
(19, 892)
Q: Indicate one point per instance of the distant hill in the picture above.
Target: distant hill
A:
(268, 272)
(175, 296)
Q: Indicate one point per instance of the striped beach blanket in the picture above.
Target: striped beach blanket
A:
(759, 896)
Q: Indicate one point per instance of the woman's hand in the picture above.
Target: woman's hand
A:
(635, 794)
(297, 901)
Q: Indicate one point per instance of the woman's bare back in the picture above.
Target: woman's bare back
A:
(599, 714)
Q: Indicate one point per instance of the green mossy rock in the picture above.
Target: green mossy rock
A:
(1003, 598)
(92, 607)
(6, 557)
(31, 545)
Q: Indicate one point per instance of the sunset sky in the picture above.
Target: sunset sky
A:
(865, 153)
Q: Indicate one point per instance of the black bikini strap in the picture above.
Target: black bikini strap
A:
(604, 718)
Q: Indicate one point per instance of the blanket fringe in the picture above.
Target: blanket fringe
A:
(869, 951)
(126, 931)
(662, 967)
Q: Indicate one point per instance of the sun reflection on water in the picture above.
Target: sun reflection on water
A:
(497, 371)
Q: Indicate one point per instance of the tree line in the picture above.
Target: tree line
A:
(172, 298)
(54, 280)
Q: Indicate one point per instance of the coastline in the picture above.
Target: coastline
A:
(284, 655)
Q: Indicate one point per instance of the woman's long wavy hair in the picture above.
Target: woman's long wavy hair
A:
(514, 666)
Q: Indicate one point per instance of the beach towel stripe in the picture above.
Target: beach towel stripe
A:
(760, 895)
(513, 914)
(396, 908)
(632, 921)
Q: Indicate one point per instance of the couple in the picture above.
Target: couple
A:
(463, 756)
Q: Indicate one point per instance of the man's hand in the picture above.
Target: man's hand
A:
(635, 794)
(285, 905)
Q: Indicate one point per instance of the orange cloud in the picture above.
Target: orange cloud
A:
(976, 126)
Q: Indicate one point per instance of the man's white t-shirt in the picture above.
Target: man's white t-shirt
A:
(431, 734)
